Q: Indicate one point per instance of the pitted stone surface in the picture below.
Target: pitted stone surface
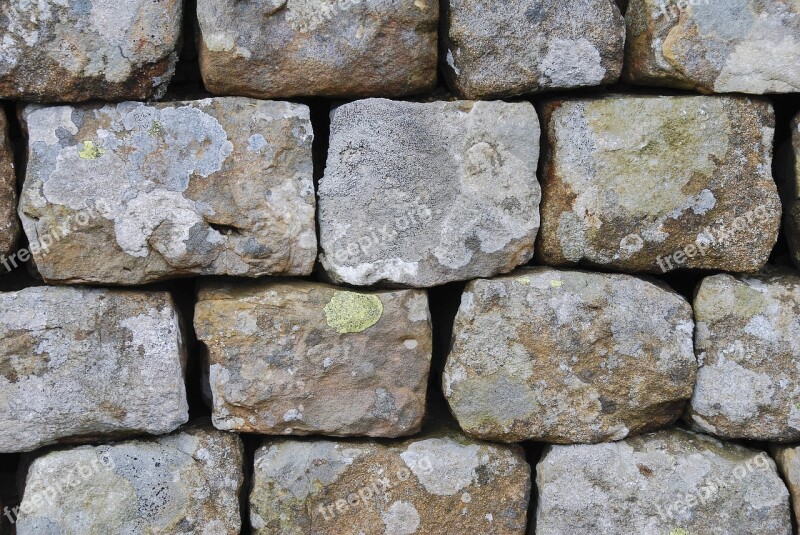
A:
(498, 49)
(654, 184)
(333, 48)
(187, 482)
(668, 483)
(76, 50)
(307, 358)
(437, 483)
(137, 193)
(711, 46)
(748, 349)
(425, 194)
(9, 224)
(80, 363)
(569, 356)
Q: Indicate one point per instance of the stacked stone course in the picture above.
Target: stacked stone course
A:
(378, 267)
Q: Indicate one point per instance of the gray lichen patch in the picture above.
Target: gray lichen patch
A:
(78, 363)
(186, 190)
(568, 356)
(302, 358)
(748, 347)
(655, 184)
(424, 194)
(78, 50)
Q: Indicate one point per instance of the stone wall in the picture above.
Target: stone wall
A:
(395, 267)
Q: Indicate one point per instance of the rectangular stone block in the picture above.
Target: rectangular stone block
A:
(499, 49)
(673, 483)
(74, 50)
(714, 46)
(76, 364)
(436, 483)
(134, 193)
(569, 357)
(425, 194)
(789, 465)
(332, 48)
(748, 347)
(9, 224)
(655, 184)
(186, 482)
(304, 358)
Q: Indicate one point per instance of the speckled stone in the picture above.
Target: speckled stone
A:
(76, 50)
(9, 224)
(307, 358)
(76, 364)
(333, 48)
(668, 483)
(136, 193)
(789, 180)
(748, 349)
(789, 465)
(714, 46)
(441, 483)
(186, 482)
(569, 356)
(654, 184)
(425, 194)
(499, 49)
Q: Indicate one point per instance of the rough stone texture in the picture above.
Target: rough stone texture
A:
(440, 483)
(81, 363)
(334, 48)
(668, 483)
(9, 225)
(655, 183)
(304, 358)
(713, 46)
(218, 186)
(748, 349)
(569, 356)
(425, 194)
(789, 180)
(501, 49)
(789, 466)
(187, 482)
(76, 50)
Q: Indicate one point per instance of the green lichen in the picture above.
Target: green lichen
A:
(156, 130)
(350, 312)
(678, 531)
(90, 151)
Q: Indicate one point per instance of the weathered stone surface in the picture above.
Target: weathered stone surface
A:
(334, 48)
(82, 363)
(9, 225)
(439, 483)
(187, 482)
(653, 184)
(137, 193)
(748, 349)
(712, 46)
(301, 358)
(789, 180)
(569, 356)
(789, 466)
(425, 194)
(498, 49)
(672, 482)
(74, 50)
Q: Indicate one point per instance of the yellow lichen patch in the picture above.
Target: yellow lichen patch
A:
(351, 312)
(678, 531)
(523, 280)
(90, 151)
(556, 283)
